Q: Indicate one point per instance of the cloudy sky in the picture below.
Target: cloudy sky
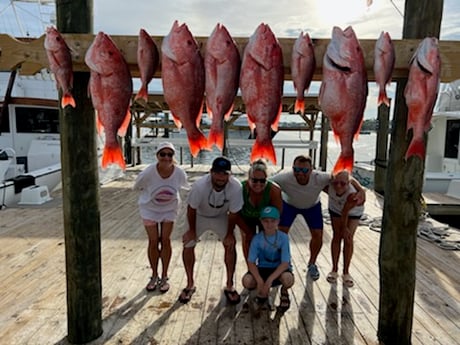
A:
(287, 18)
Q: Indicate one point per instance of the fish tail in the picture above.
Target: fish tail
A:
(67, 99)
(197, 142)
(299, 106)
(113, 155)
(215, 138)
(263, 149)
(343, 163)
(142, 94)
(416, 148)
(383, 98)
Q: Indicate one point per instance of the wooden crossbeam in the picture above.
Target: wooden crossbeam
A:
(30, 54)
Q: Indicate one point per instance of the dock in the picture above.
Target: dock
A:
(33, 286)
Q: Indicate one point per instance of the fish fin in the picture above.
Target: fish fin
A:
(99, 125)
(142, 94)
(228, 113)
(383, 98)
(113, 155)
(197, 142)
(416, 148)
(209, 111)
(124, 126)
(200, 114)
(263, 149)
(177, 122)
(216, 138)
(274, 125)
(67, 99)
(343, 163)
(299, 106)
(251, 125)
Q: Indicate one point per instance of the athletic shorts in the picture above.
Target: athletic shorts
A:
(313, 216)
(265, 272)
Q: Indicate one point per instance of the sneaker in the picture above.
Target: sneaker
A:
(313, 271)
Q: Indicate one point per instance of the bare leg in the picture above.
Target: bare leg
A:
(230, 263)
(348, 244)
(153, 252)
(188, 256)
(316, 243)
(336, 241)
(165, 253)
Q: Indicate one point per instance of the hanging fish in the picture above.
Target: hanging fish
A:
(148, 59)
(183, 78)
(261, 83)
(60, 62)
(384, 62)
(110, 87)
(421, 92)
(303, 66)
(222, 64)
(343, 92)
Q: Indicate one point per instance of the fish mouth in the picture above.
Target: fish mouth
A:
(331, 62)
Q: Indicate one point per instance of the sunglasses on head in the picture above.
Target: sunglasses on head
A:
(164, 154)
(300, 170)
(340, 183)
(258, 180)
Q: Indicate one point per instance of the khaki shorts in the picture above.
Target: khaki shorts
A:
(217, 225)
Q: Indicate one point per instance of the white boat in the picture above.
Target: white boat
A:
(442, 164)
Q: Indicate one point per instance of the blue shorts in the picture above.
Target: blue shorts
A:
(313, 216)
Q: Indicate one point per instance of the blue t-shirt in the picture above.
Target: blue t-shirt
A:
(270, 251)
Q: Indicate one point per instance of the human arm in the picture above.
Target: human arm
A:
(360, 196)
(261, 291)
(276, 199)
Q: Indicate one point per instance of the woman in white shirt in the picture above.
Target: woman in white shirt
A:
(159, 185)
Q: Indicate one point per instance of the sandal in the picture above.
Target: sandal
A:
(348, 280)
(186, 295)
(232, 296)
(153, 283)
(285, 302)
(164, 285)
(332, 277)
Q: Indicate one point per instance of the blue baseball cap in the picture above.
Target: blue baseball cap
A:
(270, 212)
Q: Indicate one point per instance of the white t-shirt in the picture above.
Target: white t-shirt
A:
(302, 196)
(159, 195)
(210, 203)
(336, 202)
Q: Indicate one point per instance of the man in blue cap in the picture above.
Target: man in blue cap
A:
(269, 260)
(213, 204)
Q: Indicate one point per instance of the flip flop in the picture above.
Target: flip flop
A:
(152, 285)
(332, 277)
(164, 285)
(348, 280)
(232, 296)
(186, 295)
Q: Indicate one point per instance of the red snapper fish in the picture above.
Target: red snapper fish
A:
(110, 88)
(303, 66)
(148, 59)
(183, 78)
(421, 92)
(222, 64)
(384, 62)
(343, 92)
(60, 61)
(261, 84)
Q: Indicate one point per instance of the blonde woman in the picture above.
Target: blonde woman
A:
(159, 185)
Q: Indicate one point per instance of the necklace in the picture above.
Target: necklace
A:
(273, 244)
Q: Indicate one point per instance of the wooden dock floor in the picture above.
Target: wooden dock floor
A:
(33, 286)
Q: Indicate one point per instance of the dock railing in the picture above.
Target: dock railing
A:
(181, 143)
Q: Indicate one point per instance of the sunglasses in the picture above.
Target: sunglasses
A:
(164, 154)
(300, 170)
(340, 183)
(214, 204)
(258, 180)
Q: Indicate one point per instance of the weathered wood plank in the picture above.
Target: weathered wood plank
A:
(31, 56)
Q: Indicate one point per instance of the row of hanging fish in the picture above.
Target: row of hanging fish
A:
(189, 79)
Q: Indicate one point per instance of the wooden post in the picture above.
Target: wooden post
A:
(324, 139)
(381, 163)
(403, 200)
(80, 189)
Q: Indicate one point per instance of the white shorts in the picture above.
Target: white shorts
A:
(217, 225)
(157, 217)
